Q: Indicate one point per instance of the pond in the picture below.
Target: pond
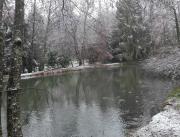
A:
(108, 102)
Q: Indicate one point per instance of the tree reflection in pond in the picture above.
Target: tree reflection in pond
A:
(99, 102)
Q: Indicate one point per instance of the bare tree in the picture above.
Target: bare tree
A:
(101, 27)
(73, 34)
(33, 28)
(47, 27)
(88, 9)
(173, 7)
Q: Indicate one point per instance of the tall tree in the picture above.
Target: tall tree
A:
(35, 38)
(47, 28)
(1, 11)
(1, 75)
(131, 34)
(101, 27)
(172, 6)
(1, 59)
(88, 9)
(33, 27)
(13, 87)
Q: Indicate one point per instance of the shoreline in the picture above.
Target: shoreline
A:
(164, 64)
(166, 123)
(60, 71)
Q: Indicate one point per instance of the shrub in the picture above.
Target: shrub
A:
(64, 61)
(52, 58)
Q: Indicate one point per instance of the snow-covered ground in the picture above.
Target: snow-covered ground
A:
(57, 71)
(165, 63)
(165, 123)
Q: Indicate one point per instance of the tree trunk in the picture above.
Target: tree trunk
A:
(1, 11)
(30, 60)
(13, 87)
(1, 75)
(33, 31)
(84, 37)
(46, 37)
(76, 49)
(177, 25)
(19, 19)
(47, 28)
(1, 60)
(13, 90)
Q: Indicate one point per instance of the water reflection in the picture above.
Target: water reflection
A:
(94, 103)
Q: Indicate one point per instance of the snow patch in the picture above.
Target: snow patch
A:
(165, 63)
(164, 124)
(58, 71)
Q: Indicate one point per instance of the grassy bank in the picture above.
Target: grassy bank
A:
(167, 122)
(175, 93)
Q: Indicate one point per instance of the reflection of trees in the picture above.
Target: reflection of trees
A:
(114, 88)
(128, 85)
(96, 85)
(91, 86)
(117, 88)
(77, 90)
(126, 91)
(73, 89)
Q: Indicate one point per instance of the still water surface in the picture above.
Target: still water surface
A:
(92, 103)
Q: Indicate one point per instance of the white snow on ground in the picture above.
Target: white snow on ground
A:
(165, 63)
(167, 122)
(58, 71)
(164, 124)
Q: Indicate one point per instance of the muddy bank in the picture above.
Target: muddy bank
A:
(60, 71)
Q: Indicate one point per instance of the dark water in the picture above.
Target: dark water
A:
(91, 103)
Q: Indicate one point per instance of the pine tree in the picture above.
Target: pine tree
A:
(131, 34)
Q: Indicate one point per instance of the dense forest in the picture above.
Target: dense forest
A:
(39, 35)
(58, 33)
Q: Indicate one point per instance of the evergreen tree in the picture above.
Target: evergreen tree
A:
(131, 34)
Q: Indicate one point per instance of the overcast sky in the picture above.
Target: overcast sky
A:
(29, 4)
